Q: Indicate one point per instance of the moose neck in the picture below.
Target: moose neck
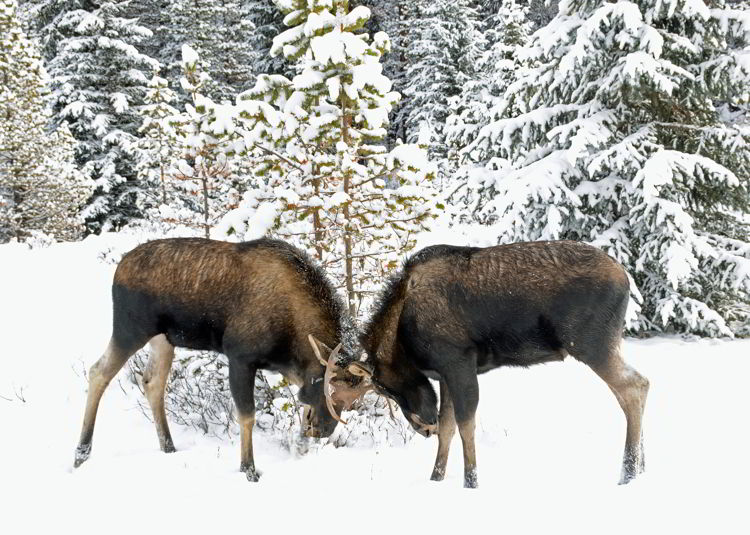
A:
(379, 336)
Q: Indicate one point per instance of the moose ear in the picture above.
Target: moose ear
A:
(360, 369)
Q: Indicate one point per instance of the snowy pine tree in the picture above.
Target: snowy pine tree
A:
(43, 17)
(159, 146)
(541, 12)
(41, 190)
(506, 30)
(204, 173)
(328, 182)
(619, 131)
(268, 22)
(443, 54)
(222, 32)
(232, 38)
(397, 20)
(100, 79)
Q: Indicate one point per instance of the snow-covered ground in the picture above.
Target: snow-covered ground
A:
(549, 441)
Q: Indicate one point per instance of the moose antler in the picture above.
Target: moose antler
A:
(330, 366)
(328, 389)
(316, 348)
(344, 393)
(348, 394)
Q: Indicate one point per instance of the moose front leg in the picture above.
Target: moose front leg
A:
(466, 430)
(242, 386)
(446, 431)
(464, 391)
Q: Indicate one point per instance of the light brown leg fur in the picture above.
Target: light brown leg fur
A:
(446, 431)
(100, 374)
(247, 462)
(631, 389)
(466, 430)
(154, 382)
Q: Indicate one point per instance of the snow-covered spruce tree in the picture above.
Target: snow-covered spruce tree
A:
(232, 37)
(397, 20)
(619, 132)
(205, 176)
(328, 182)
(268, 22)
(505, 31)
(541, 12)
(99, 80)
(222, 33)
(159, 143)
(247, 31)
(41, 190)
(442, 57)
(41, 17)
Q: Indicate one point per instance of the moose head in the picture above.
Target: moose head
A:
(409, 388)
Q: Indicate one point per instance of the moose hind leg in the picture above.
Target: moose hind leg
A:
(242, 386)
(100, 375)
(154, 382)
(446, 431)
(631, 389)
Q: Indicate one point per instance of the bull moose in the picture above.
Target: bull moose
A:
(455, 312)
(263, 303)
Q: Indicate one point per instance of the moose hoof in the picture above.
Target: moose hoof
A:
(82, 454)
(628, 475)
(632, 465)
(168, 447)
(251, 473)
(438, 474)
(471, 481)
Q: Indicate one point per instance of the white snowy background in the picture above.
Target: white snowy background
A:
(550, 440)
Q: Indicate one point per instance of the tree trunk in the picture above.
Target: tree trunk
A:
(316, 219)
(349, 265)
(206, 227)
(163, 183)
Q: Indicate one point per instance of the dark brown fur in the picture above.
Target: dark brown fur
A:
(455, 312)
(243, 291)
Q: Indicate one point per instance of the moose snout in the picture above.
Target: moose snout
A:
(422, 427)
(428, 430)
